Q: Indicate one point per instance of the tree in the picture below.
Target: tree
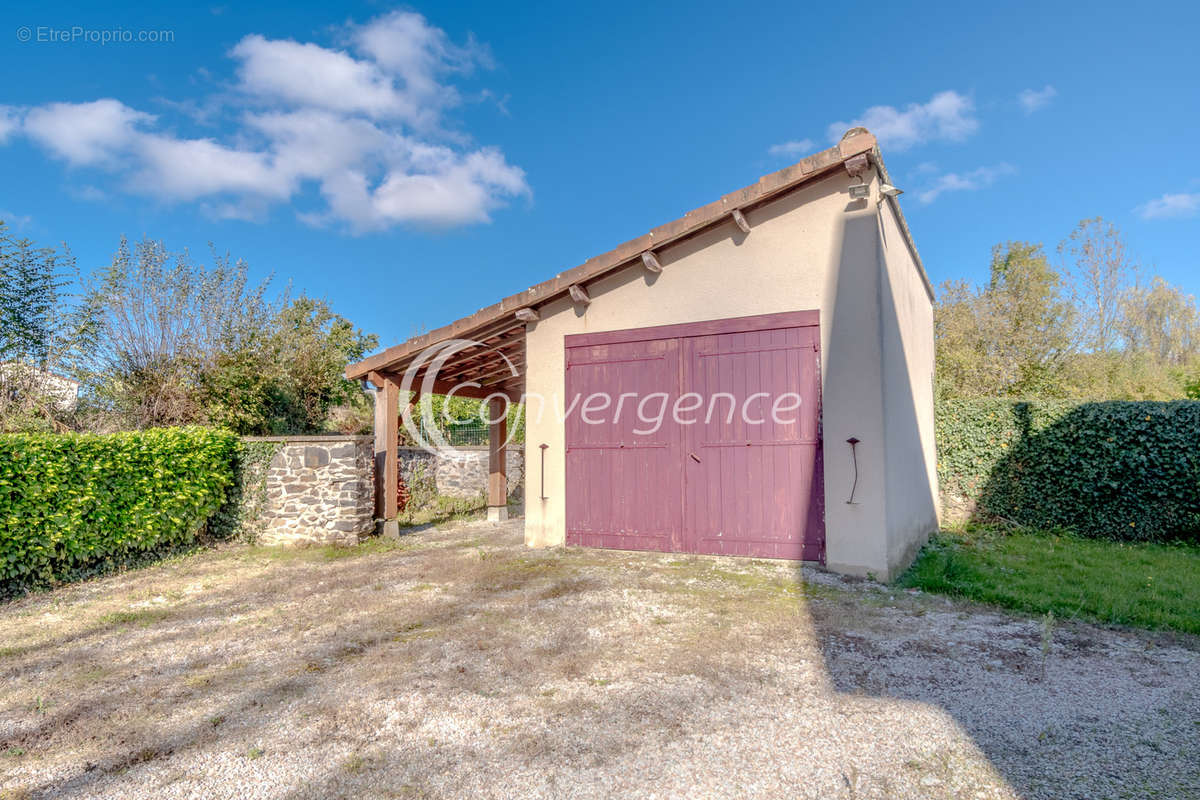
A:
(42, 334)
(1030, 321)
(1011, 337)
(314, 346)
(1102, 272)
(965, 348)
(1162, 321)
(1019, 336)
(1120, 375)
(33, 318)
(164, 321)
(183, 343)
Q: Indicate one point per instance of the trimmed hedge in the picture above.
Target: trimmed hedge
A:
(71, 501)
(1116, 470)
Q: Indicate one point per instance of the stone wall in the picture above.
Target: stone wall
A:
(319, 490)
(461, 473)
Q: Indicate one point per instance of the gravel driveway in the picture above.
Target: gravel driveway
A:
(458, 663)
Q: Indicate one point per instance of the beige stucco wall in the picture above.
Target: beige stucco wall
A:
(813, 249)
(907, 327)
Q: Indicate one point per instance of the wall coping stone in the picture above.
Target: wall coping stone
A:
(333, 437)
(470, 448)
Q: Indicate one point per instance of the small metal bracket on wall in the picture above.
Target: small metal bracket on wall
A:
(852, 441)
(543, 447)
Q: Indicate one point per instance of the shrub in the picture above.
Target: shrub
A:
(242, 516)
(1115, 470)
(70, 501)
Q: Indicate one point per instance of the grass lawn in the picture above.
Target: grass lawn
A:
(1152, 586)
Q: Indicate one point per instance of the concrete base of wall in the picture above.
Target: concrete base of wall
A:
(898, 563)
(497, 513)
(859, 571)
(908, 553)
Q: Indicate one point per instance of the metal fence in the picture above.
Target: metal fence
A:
(471, 432)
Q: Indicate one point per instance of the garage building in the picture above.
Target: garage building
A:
(786, 333)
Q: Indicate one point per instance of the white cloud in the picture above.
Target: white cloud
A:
(447, 189)
(310, 75)
(246, 209)
(1170, 206)
(88, 193)
(965, 181)
(793, 148)
(400, 75)
(1033, 99)
(366, 130)
(405, 44)
(85, 133)
(435, 197)
(187, 169)
(10, 120)
(15, 221)
(310, 143)
(948, 116)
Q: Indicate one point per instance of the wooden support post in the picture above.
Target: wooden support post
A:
(387, 455)
(380, 428)
(497, 460)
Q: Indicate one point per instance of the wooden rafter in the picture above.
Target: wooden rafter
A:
(580, 295)
(476, 366)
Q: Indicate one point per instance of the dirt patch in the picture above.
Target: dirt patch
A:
(459, 663)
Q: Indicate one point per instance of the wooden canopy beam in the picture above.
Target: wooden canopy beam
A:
(440, 386)
(486, 346)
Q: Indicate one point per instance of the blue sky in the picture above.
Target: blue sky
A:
(414, 163)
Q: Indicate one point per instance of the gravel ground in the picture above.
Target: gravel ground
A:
(458, 663)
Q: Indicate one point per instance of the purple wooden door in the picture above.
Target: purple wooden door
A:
(753, 472)
(737, 473)
(623, 477)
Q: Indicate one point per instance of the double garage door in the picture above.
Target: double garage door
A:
(699, 438)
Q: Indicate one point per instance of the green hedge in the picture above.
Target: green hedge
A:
(71, 501)
(1116, 470)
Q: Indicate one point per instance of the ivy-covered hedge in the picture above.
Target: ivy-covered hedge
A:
(1117, 470)
(242, 516)
(71, 501)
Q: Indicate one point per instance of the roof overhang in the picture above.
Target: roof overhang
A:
(498, 331)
